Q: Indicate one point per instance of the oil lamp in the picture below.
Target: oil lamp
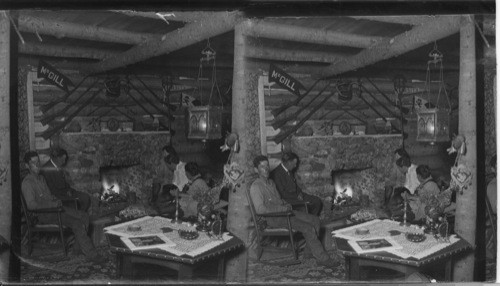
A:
(205, 122)
(433, 123)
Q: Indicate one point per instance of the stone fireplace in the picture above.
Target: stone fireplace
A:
(128, 161)
(360, 164)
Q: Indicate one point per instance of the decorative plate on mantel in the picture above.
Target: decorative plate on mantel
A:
(345, 128)
(113, 124)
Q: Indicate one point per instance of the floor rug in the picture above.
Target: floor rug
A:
(306, 271)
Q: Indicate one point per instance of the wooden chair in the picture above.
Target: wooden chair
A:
(491, 238)
(33, 226)
(262, 234)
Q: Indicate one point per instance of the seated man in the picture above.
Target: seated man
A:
(56, 179)
(427, 195)
(266, 199)
(37, 196)
(284, 177)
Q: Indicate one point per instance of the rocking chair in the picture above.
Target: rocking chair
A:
(264, 232)
(33, 226)
(491, 235)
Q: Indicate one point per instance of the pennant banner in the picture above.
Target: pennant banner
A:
(53, 76)
(284, 80)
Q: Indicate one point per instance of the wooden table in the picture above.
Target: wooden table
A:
(440, 259)
(184, 265)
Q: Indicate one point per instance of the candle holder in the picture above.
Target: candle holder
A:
(404, 222)
(176, 219)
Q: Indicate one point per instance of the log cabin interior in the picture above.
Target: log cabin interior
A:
(343, 92)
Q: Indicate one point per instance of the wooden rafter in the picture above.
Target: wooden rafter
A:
(43, 49)
(179, 16)
(406, 20)
(188, 35)
(61, 29)
(291, 55)
(266, 29)
(419, 36)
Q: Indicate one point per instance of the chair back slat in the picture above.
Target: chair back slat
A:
(31, 218)
(253, 212)
(491, 216)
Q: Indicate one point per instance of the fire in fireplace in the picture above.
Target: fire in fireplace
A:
(110, 179)
(349, 186)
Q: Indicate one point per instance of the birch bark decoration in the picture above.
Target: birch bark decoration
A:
(465, 218)
(242, 124)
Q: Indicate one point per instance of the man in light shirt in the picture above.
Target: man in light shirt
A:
(410, 170)
(174, 164)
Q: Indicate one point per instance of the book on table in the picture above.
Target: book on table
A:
(147, 242)
(374, 244)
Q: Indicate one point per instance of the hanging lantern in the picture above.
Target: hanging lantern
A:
(205, 122)
(433, 123)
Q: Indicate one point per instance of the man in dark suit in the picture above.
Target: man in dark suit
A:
(56, 179)
(286, 183)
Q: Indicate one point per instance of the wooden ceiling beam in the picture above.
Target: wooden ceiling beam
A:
(186, 36)
(438, 28)
(405, 20)
(178, 16)
(291, 55)
(267, 29)
(43, 49)
(59, 29)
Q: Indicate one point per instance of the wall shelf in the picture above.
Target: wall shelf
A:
(349, 136)
(116, 133)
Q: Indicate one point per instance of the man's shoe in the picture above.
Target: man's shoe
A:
(329, 263)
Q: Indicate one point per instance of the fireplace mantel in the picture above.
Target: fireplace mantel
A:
(349, 136)
(118, 133)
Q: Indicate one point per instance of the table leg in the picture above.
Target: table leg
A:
(124, 266)
(185, 272)
(221, 268)
(354, 269)
(447, 270)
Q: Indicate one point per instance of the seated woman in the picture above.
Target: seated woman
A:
(427, 195)
(198, 191)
